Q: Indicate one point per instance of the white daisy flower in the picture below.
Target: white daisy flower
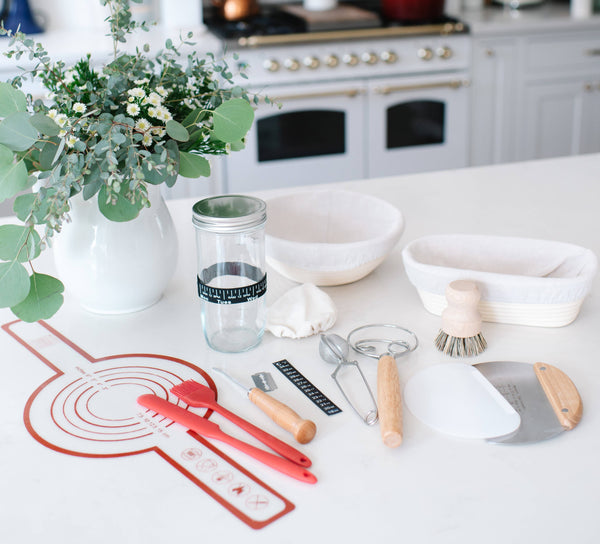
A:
(163, 113)
(61, 119)
(137, 92)
(154, 99)
(52, 113)
(78, 107)
(133, 109)
(162, 91)
(153, 112)
(142, 125)
(147, 139)
(142, 81)
(62, 133)
(158, 131)
(70, 141)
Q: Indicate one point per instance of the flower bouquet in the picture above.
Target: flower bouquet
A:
(103, 133)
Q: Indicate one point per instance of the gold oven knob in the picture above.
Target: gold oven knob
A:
(332, 61)
(350, 59)
(389, 57)
(311, 62)
(271, 65)
(292, 64)
(425, 53)
(369, 58)
(444, 52)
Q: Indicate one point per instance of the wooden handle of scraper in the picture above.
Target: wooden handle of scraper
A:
(561, 393)
(303, 430)
(389, 401)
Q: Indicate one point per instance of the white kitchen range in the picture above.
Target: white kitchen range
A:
(361, 93)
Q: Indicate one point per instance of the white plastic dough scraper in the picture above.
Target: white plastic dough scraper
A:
(500, 401)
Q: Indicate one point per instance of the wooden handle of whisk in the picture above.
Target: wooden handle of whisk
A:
(303, 430)
(389, 401)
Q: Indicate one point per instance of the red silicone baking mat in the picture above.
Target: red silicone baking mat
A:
(89, 409)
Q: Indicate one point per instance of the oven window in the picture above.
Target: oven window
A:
(306, 133)
(420, 122)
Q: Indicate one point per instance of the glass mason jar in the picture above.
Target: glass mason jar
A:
(232, 282)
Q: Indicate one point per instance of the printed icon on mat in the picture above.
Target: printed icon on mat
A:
(207, 465)
(257, 502)
(222, 477)
(191, 454)
(89, 409)
(239, 490)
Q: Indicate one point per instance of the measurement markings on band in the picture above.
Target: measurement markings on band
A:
(298, 379)
(235, 295)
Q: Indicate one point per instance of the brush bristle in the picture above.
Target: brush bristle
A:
(460, 347)
(184, 388)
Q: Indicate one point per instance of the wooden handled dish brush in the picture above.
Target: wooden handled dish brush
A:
(460, 335)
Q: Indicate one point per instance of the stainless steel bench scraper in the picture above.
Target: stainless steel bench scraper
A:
(544, 396)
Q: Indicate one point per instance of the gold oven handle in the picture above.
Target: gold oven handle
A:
(452, 84)
(351, 93)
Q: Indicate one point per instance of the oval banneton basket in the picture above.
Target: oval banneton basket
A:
(523, 281)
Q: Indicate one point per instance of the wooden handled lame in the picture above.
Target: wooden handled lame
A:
(303, 430)
(389, 401)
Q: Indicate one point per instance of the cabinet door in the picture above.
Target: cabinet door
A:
(590, 139)
(493, 101)
(553, 120)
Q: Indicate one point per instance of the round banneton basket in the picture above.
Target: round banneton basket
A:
(522, 281)
(330, 237)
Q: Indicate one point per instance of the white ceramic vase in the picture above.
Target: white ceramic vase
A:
(115, 268)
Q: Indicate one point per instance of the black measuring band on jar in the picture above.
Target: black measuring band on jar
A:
(235, 295)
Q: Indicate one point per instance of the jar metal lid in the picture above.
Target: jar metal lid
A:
(229, 213)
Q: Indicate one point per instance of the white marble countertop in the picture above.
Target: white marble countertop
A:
(546, 17)
(432, 489)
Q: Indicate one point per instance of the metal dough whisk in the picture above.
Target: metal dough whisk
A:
(386, 342)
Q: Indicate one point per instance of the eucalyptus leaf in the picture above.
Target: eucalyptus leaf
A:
(49, 152)
(11, 100)
(238, 146)
(174, 154)
(43, 301)
(17, 133)
(13, 174)
(177, 131)
(121, 211)
(193, 166)
(232, 120)
(44, 124)
(23, 204)
(92, 186)
(18, 242)
(14, 283)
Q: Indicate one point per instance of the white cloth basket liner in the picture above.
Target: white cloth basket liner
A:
(331, 230)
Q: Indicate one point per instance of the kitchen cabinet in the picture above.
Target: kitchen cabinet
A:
(560, 96)
(493, 101)
(535, 96)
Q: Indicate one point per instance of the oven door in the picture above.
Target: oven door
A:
(317, 136)
(418, 124)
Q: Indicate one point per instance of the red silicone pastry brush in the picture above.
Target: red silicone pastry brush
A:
(198, 395)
